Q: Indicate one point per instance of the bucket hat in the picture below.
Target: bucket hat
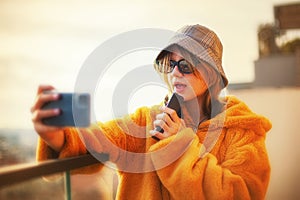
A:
(201, 42)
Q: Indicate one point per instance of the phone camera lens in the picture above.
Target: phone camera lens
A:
(82, 100)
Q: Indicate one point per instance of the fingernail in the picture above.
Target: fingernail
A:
(152, 132)
(162, 108)
(56, 111)
(55, 96)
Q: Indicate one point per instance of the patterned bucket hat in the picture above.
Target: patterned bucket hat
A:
(202, 43)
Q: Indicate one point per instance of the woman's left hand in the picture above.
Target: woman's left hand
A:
(169, 121)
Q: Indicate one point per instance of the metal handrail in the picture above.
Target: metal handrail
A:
(23, 172)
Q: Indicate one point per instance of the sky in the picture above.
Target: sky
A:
(47, 42)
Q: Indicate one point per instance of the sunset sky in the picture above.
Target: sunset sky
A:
(48, 41)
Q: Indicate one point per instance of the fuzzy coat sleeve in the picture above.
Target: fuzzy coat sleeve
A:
(73, 146)
(242, 172)
(112, 137)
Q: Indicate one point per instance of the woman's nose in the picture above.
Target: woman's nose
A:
(176, 72)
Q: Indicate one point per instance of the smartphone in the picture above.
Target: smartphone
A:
(174, 103)
(74, 110)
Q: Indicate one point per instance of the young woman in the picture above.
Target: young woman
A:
(216, 150)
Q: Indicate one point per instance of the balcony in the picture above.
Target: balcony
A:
(52, 180)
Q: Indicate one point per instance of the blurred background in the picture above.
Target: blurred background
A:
(46, 42)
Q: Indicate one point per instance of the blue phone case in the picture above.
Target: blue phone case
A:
(74, 110)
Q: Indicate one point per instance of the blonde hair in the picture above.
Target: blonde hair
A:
(212, 104)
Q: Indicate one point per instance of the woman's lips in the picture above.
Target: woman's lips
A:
(179, 87)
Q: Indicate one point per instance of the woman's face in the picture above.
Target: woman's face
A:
(188, 86)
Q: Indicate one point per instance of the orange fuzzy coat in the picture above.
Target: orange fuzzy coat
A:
(184, 166)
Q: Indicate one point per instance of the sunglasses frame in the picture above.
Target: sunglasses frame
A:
(174, 63)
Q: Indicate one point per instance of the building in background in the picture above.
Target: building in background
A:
(279, 64)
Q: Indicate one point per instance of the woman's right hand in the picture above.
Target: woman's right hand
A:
(53, 136)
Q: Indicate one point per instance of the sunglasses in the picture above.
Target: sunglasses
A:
(184, 67)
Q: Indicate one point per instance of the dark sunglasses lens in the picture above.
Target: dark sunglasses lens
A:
(173, 63)
(185, 67)
(171, 66)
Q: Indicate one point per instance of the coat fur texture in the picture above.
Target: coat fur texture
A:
(225, 159)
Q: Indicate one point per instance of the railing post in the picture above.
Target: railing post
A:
(68, 193)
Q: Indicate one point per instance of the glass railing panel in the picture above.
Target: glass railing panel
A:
(100, 185)
(17, 146)
(50, 187)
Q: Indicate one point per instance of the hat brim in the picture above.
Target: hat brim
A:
(199, 51)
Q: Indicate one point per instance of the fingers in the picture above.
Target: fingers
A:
(43, 88)
(158, 135)
(172, 113)
(38, 115)
(168, 121)
(42, 98)
(164, 121)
